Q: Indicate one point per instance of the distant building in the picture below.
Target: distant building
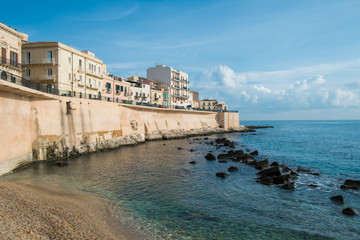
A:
(10, 59)
(72, 72)
(194, 99)
(178, 81)
(160, 92)
(115, 89)
(212, 105)
(139, 92)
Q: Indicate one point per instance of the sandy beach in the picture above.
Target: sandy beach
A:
(33, 212)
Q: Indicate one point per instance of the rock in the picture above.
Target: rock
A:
(288, 186)
(222, 161)
(233, 169)
(313, 185)
(192, 150)
(294, 175)
(210, 157)
(283, 179)
(248, 150)
(231, 155)
(61, 164)
(180, 148)
(352, 182)
(270, 172)
(314, 173)
(254, 152)
(265, 180)
(212, 143)
(192, 162)
(262, 164)
(352, 187)
(164, 144)
(285, 168)
(206, 138)
(274, 164)
(222, 175)
(338, 198)
(350, 211)
(303, 170)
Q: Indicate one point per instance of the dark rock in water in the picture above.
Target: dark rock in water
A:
(236, 159)
(192, 150)
(233, 169)
(313, 185)
(248, 150)
(192, 162)
(226, 142)
(350, 211)
(285, 168)
(224, 150)
(288, 186)
(231, 154)
(61, 164)
(274, 164)
(212, 143)
(283, 179)
(206, 138)
(180, 148)
(270, 172)
(210, 157)
(222, 175)
(222, 161)
(250, 162)
(352, 182)
(352, 187)
(259, 127)
(338, 198)
(262, 164)
(265, 180)
(314, 173)
(303, 170)
(254, 152)
(294, 175)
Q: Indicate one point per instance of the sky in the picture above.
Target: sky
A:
(268, 59)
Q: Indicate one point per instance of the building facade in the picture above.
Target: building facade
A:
(55, 65)
(178, 81)
(194, 99)
(10, 49)
(212, 105)
(115, 89)
(139, 91)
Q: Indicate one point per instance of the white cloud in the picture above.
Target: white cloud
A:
(106, 14)
(346, 98)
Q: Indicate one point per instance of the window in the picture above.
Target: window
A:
(70, 60)
(117, 89)
(80, 79)
(80, 63)
(3, 75)
(27, 57)
(108, 87)
(69, 76)
(80, 94)
(49, 56)
(122, 88)
(13, 59)
(49, 72)
(27, 73)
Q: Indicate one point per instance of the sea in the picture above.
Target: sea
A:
(154, 190)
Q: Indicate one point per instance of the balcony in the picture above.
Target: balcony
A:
(91, 87)
(10, 63)
(46, 79)
(176, 79)
(43, 61)
(177, 87)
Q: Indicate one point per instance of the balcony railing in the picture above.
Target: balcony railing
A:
(39, 61)
(176, 79)
(46, 78)
(9, 62)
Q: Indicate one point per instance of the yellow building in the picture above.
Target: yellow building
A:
(212, 105)
(10, 59)
(72, 72)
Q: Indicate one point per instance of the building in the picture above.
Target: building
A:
(178, 81)
(139, 92)
(10, 59)
(194, 99)
(72, 72)
(116, 89)
(212, 105)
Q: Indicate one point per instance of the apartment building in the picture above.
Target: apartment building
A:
(212, 105)
(115, 89)
(11, 42)
(194, 99)
(56, 65)
(139, 91)
(178, 81)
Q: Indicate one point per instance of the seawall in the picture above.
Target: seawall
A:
(38, 126)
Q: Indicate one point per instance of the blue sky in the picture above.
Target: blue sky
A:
(269, 59)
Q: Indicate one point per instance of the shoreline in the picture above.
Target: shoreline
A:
(36, 212)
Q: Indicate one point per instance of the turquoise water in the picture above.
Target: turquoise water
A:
(156, 191)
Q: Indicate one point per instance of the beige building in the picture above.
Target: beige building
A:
(194, 99)
(56, 65)
(212, 105)
(139, 92)
(177, 80)
(10, 59)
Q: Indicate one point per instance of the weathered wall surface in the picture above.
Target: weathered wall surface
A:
(37, 126)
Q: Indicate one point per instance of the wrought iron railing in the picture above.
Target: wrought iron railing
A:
(10, 62)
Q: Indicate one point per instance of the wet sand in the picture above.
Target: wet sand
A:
(33, 212)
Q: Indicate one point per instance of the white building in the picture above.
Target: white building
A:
(177, 80)
(139, 92)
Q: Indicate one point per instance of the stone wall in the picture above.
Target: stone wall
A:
(38, 126)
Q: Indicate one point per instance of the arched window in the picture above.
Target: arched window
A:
(3, 76)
